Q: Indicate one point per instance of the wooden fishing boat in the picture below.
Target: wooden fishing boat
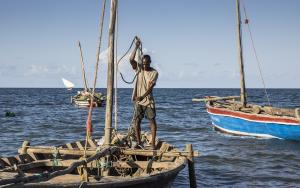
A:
(62, 166)
(111, 161)
(231, 116)
(241, 118)
(83, 99)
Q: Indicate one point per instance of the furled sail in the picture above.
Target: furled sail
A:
(68, 84)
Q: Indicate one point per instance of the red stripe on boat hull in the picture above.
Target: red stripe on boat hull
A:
(251, 117)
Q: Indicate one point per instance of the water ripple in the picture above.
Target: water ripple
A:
(45, 116)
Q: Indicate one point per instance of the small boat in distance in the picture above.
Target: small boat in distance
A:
(83, 99)
(241, 118)
(69, 85)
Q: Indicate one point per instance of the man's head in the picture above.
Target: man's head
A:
(146, 60)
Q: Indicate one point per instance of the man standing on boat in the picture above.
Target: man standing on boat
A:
(144, 104)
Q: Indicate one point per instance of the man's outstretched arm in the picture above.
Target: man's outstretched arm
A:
(132, 56)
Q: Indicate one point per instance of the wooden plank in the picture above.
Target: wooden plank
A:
(92, 143)
(62, 151)
(80, 146)
(30, 165)
(214, 98)
(69, 145)
(10, 160)
(192, 176)
(150, 153)
(77, 152)
(164, 148)
(3, 163)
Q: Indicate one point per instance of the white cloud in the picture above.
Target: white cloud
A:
(104, 56)
(42, 69)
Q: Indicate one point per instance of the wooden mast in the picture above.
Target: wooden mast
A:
(240, 55)
(82, 68)
(110, 74)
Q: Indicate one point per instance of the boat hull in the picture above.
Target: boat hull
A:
(160, 173)
(82, 103)
(163, 180)
(257, 125)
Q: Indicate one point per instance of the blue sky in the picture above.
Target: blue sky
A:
(192, 42)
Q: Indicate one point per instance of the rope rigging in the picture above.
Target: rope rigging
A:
(89, 129)
(116, 69)
(259, 64)
(117, 62)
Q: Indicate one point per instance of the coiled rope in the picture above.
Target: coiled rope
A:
(141, 50)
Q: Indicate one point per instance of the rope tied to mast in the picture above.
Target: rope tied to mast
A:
(89, 127)
(259, 64)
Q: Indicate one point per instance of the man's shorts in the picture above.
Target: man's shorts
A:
(144, 111)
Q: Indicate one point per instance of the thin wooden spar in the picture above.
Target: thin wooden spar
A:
(82, 67)
(240, 55)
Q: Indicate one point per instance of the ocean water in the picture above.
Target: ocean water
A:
(46, 117)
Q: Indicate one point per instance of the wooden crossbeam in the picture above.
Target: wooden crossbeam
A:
(77, 152)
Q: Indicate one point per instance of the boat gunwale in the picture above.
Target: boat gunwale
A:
(253, 117)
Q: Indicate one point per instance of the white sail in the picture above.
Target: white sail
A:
(68, 84)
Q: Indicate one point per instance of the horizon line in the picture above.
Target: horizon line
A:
(155, 88)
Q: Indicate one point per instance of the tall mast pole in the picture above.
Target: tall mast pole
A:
(240, 55)
(110, 74)
(82, 68)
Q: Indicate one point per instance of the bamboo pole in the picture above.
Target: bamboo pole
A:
(240, 55)
(89, 152)
(110, 74)
(214, 98)
(82, 68)
(192, 176)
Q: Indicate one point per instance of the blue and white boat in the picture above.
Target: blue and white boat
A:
(246, 121)
(240, 118)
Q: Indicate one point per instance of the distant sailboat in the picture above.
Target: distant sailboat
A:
(83, 98)
(241, 118)
(69, 85)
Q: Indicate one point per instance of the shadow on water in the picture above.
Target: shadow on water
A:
(46, 117)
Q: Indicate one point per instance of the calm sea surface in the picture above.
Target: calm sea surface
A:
(46, 117)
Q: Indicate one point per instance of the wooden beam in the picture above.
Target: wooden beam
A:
(69, 146)
(77, 152)
(192, 176)
(92, 143)
(151, 153)
(62, 151)
(30, 165)
(214, 98)
(80, 146)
